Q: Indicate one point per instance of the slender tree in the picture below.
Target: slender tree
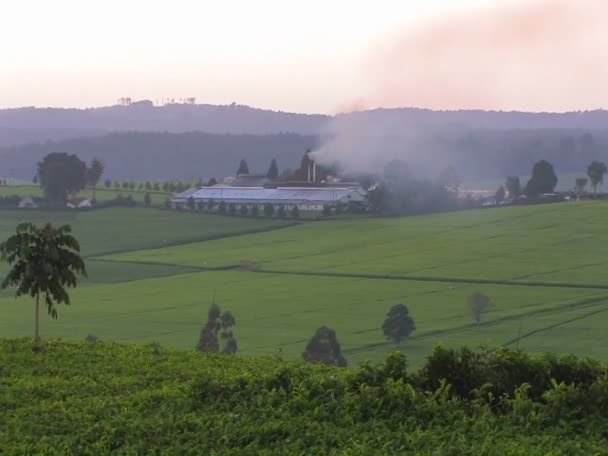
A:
(499, 197)
(219, 325)
(243, 167)
(273, 170)
(147, 200)
(44, 263)
(479, 303)
(94, 173)
(513, 187)
(579, 186)
(596, 171)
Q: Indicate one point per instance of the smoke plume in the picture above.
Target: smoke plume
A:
(537, 55)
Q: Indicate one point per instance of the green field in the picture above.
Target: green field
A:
(154, 273)
(101, 193)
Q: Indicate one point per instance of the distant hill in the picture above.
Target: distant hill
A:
(176, 118)
(29, 124)
(479, 154)
(142, 141)
(138, 155)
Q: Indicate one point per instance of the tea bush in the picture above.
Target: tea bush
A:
(107, 398)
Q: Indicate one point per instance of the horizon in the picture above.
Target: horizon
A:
(494, 55)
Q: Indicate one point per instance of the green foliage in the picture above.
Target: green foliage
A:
(243, 168)
(281, 212)
(44, 263)
(398, 324)
(596, 171)
(324, 348)
(231, 208)
(61, 175)
(580, 185)
(147, 200)
(104, 398)
(273, 170)
(499, 196)
(255, 210)
(218, 324)
(513, 187)
(543, 179)
(94, 172)
(243, 209)
(478, 303)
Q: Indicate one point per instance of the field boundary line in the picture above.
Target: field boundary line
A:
(416, 278)
(194, 240)
(553, 326)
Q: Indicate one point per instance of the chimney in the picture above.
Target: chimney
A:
(314, 171)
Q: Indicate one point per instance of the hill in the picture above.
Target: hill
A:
(103, 398)
(540, 265)
(166, 156)
(476, 154)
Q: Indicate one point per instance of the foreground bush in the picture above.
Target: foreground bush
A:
(103, 398)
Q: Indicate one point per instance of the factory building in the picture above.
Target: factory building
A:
(307, 199)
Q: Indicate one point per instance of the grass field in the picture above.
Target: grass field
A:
(102, 193)
(153, 275)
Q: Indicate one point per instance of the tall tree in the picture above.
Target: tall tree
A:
(543, 179)
(499, 196)
(94, 173)
(596, 171)
(61, 175)
(44, 262)
(324, 348)
(580, 185)
(219, 325)
(479, 303)
(243, 167)
(513, 187)
(273, 170)
(398, 324)
(212, 182)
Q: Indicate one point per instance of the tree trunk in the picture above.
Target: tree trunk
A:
(37, 325)
(94, 192)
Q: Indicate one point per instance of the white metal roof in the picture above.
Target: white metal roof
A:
(321, 194)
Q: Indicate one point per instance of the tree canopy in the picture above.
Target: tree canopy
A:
(513, 187)
(219, 325)
(398, 324)
(273, 170)
(61, 175)
(44, 262)
(324, 348)
(243, 167)
(543, 179)
(94, 173)
(596, 171)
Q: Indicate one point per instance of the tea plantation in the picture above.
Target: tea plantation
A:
(153, 274)
(105, 398)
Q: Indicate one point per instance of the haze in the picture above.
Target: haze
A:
(307, 56)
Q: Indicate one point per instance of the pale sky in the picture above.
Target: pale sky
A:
(303, 56)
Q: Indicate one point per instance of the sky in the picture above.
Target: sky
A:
(313, 56)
